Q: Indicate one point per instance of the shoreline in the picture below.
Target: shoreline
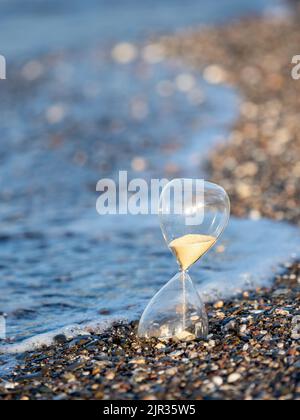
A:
(252, 351)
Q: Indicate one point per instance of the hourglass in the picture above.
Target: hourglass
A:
(193, 215)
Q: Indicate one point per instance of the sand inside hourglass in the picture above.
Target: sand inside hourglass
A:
(190, 248)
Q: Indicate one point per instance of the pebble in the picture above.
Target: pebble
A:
(185, 336)
(110, 376)
(60, 339)
(217, 380)
(246, 347)
(160, 346)
(193, 355)
(234, 377)
(138, 361)
(282, 312)
(176, 354)
(280, 292)
(171, 372)
(230, 326)
(243, 330)
(219, 305)
(220, 315)
(211, 343)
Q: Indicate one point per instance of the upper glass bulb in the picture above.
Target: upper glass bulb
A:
(193, 214)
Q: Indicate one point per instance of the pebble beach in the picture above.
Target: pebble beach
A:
(260, 164)
(252, 351)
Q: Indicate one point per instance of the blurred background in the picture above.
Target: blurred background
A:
(31, 26)
(90, 91)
